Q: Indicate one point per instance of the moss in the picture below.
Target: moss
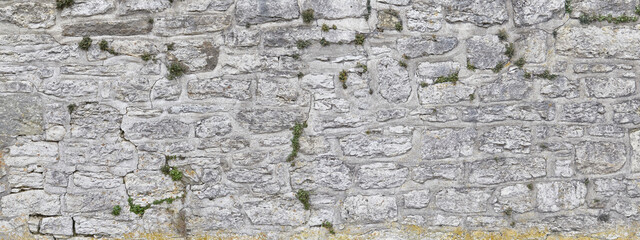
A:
(403, 64)
(366, 16)
(509, 50)
(146, 57)
(165, 169)
(530, 186)
(329, 226)
(302, 44)
(452, 78)
(527, 75)
(176, 70)
(303, 196)
(150, 21)
(104, 46)
(424, 84)
(324, 42)
(399, 26)
(472, 97)
(405, 56)
(498, 67)
(547, 75)
(363, 66)
(586, 18)
(296, 56)
(502, 35)
(169, 200)
(520, 62)
(586, 181)
(359, 39)
(637, 10)
(175, 174)
(334, 27)
(72, 107)
(307, 16)
(116, 210)
(300, 74)
(297, 130)
(343, 78)
(171, 46)
(137, 209)
(62, 4)
(325, 27)
(508, 212)
(567, 6)
(603, 217)
(470, 66)
(85, 43)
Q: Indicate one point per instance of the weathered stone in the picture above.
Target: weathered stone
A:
(519, 198)
(485, 52)
(165, 89)
(393, 81)
(59, 226)
(440, 171)
(388, 19)
(369, 209)
(500, 170)
(89, 8)
(93, 121)
(612, 7)
(214, 87)
(598, 42)
(416, 199)
(609, 87)
(361, 145)
(424, 17)
(445, 93)
(204, 5)
(537, 111)
(147, 186)
(30, 14)
(381, 175)
(21, 115)
(190, 24)
(448, 143)
(329, 9)
(390, 114)
(479, 12)
(414, 47)
(600, 157)
(613, 131)
(324, 171)
(116, 28)
(213, 126)
(560, 87)
(460, 200)
(634, 138)
(560, 131)
(439, 114)
(157, 129)
(275, 212)
(532, 12)
(30, 202)
(256, 12)
(535, 46)
(499, 139)
(589, 112)
(269, 120)
(208, 215)
(510, 86)
(626, 112)
(556, 196)
(131, 6)
(101, 227)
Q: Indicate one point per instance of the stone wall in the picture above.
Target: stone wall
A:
(397, 119)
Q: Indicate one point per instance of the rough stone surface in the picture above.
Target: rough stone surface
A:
(217, 117)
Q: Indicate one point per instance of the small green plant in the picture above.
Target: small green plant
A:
(452, 78)
(176, 70)
(498, 67)
(150, 21)
(329, 226)
(509, 50)
(366, 16)
(72, 107)
(303, 196)
(508, 211)
(547, 75)
(472, 97)
(104, 46)
(520, 62)
(405, 56)
(586, 18)
(399, 26)
(300, 74)
(146, 57)
(403, 64)
(324, 42)
(171, 46)
(85, 43)
(334, 27)
(296, 56)
(359, 39)
(530, 186)
(503, 35)
(637, 10)
(325, 27)
(295, 140)
(470, 66)
(169, 200)
(603, 217)
(343, 78)
(175, 174)
(307, 15)
(302, 44)
(116, 210)
(554, 33)
(527, 75)
(363, 66)
(424, 84)
(137, 209)
(62, 4)
(586, 181)
(567, 6)
(165, 169)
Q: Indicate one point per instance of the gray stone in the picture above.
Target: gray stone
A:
(390, 114)
(261, 11)
(360, 145)
(324, 171)
(448, 143)
(533, 12)
(190, 24)
(214, 215)
(213, 126)
(92, 121)
(165, 89)
(424, 17)
(204, 5)
(132, 88)
(479, 12)
(499, 139)
(264, 120)
(598, 42)
(416, 199)
(369, 209)
(534, 46)
(381, 175)
(116, 28)
(30, 202)
(445, 93)
(157, 129)
(21, 115)
(560, 87)
(584, 112)
(600, 157)
(609, 87)
(414, 47)
(439, 114)
(500, 170)
(101, 227)
(536, 111)
(89, 8)
(147, 186)
(219, 88)
(59, 226)
(439, 171)
(612, 131)
(463, 200)
(275, 212)
(612, 7)
(388, 19)
(634, 138)
(485, 52)
(626, 111)
(131, 6)
(393, 81)
(557, 196)
(519, 198)
(510, 86)
(29, 14)
(329, 9)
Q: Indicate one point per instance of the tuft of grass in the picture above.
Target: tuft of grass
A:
(150, 21)
(116, 210)
(498, 67)
(508, 211)
(470, 66)
(72, 107)
(300, 74)
(399, 26)
(452, 78)
(302, 44)
(637, 10)
(527, 75)
(104, 46)
(296, 56)
(137, 209)
(343, 78)
(329, 226)
(530, 186)
(85, 43)
(359, 38)
(363, 66)
(176, 70)
(403, 64)
(307, 15)
(520, 62)
(503, 35)
(171, 46)
(324, 42)
(586, 181)
(295, 140)
(509, 50)
(62, 4)
(567, 6)
(303, 196)
(586, 18)
(169, 200)
(424, 84)
(325, 27)
(146, 57)
(175, 174)
(547, 75)
(334, 27)
(472, 97)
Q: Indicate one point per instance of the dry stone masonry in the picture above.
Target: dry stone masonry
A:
(319, 119)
